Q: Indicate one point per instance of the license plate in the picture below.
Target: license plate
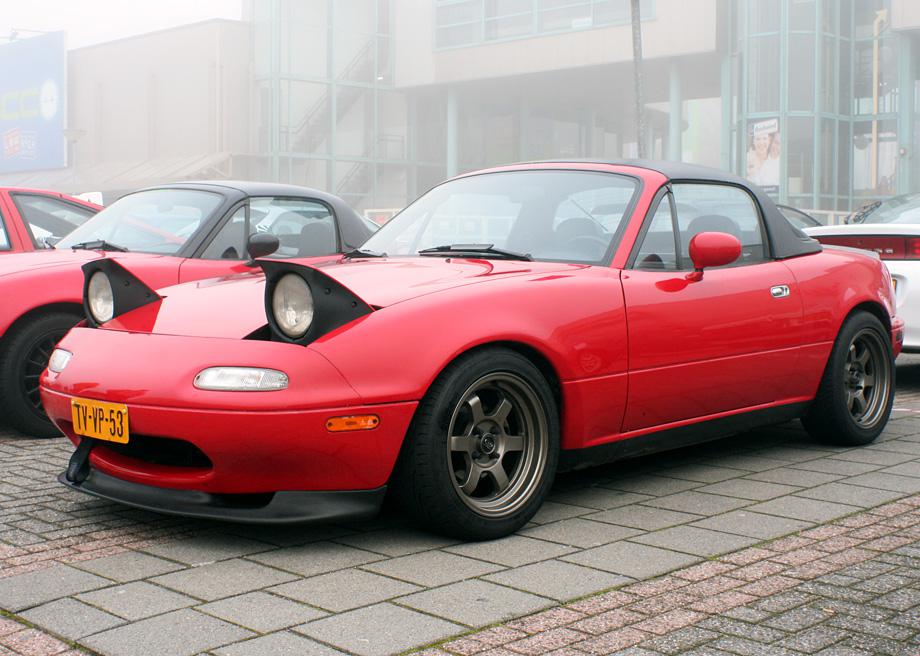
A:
(100, 420)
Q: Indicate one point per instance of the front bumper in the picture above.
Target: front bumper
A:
(224, 443)
(287, 507)
(251, 452)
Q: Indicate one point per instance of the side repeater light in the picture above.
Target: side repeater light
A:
(352, 423)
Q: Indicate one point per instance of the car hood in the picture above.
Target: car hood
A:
(234, 306)
(31, 261)
(139, 263)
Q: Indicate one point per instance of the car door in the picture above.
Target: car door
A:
(305, 227)
(716, 345)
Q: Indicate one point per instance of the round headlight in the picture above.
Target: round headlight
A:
(292, 305)
(99, 297)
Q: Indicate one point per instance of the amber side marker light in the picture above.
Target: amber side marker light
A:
(352, 423)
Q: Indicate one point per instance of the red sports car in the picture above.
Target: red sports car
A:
(507, 324)
(168, 234)
(33, 219)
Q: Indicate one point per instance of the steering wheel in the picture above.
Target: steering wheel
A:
(588, 243)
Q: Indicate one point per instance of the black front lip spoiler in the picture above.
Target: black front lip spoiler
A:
(288, 507)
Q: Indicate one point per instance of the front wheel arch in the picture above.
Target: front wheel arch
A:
(19, 406)
(419, 484)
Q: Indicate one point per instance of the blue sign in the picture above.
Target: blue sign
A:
(33, 75)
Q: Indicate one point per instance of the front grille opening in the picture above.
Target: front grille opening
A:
(161, 451)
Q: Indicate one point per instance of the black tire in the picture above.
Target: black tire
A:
(857, 390)
(453, 486)
(24, 353)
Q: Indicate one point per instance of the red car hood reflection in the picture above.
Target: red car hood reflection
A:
(234, 306)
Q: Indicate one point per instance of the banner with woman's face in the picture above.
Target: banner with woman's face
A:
(763, 154)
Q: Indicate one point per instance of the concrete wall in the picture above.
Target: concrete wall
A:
(178, 92)
(679, 28)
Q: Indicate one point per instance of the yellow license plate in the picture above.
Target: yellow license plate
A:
(101, 420)
(894, 283)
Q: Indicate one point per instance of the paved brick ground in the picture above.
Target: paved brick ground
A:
(120, 581)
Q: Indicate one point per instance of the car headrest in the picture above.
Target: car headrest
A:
(713, 223)
(316, 238)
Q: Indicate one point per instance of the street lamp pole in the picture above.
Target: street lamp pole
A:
(637, 74)
(881, 17)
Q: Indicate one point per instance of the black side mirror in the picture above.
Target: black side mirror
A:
(260, 245)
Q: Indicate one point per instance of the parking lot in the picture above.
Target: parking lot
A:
(120, 581)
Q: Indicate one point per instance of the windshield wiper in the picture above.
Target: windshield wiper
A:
(485, 249)
(98, 245)
(357, 252)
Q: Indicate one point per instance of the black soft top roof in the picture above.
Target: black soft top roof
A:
(785, 239)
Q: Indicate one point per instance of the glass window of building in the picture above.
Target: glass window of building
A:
(763, 74)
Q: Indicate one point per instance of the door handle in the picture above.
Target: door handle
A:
(779, 291)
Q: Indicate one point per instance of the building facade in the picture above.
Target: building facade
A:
(816, 100)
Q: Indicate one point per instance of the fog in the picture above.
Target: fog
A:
(815, 100)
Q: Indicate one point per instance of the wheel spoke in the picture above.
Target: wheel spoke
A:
(463, 443)
(869, 380)
(863, 357)
(499, 476)
(472, 479)
(860, 402)
(502, 411)
(475, 405)
(514, 443)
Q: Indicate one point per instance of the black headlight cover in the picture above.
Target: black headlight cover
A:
(334, 305)
(128, 291)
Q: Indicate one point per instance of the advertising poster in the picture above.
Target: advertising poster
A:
(32, 103)
(763, 154)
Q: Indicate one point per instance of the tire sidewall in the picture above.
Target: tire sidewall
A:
(455, 382)
(853, 433)
(14, 356)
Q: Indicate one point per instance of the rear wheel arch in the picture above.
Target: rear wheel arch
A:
(872, 307)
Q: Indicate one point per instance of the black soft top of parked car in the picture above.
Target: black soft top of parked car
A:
(785, 239)
(353, 230)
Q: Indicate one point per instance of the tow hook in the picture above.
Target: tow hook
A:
(78, 467)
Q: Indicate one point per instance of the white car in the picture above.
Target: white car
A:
(894, 234)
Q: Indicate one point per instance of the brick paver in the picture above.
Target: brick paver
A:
(761, 543)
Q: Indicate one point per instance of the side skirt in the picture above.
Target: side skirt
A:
(676, 438)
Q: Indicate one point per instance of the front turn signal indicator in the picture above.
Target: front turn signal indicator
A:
(352, 423)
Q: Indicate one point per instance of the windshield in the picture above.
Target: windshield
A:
(570, 216)
(155, 221)
(900, 209)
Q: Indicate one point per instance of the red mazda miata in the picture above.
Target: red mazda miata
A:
(167, 234)
(509, 323)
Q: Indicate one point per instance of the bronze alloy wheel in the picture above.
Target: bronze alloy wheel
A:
(867, 377)
(497, 446)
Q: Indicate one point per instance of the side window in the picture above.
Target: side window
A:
(49, 219)
(303, 227)
(658, 250)
(230, 241)
(4, 239)
(719, 208)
